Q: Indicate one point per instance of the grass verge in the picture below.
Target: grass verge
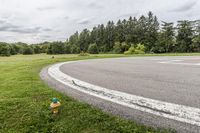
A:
(25, 99)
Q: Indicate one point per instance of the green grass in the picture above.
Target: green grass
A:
(25, 99)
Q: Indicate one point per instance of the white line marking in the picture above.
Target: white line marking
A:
(176, 60)
(179, 62)
(172, 111)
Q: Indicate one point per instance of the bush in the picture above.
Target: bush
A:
(127, 53)
(36, 49)
(83, 54)
(12, 50)
(124, 46)
(139, 49)
(93, 49)
(56, 48)
(5, 49)
(27, 50)
(139, 52)
(157, 49)
(120, 47)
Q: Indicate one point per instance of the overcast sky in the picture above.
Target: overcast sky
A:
(34, 21)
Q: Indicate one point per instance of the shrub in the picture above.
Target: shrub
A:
(83, 54)
(139, 52)
(4, 49)
(12, 50)
(127, 53)
(27, 50)
(93, 49)
(139, 49)
(36, 49)
(132, 49)
(124, 46)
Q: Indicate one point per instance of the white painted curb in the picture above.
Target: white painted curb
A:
(172, 111)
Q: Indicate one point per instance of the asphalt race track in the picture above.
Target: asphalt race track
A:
(157, 91)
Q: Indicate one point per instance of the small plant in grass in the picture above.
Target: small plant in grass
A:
(139, 49)
(84, 54)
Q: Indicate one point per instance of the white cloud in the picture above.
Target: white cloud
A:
(35, 21)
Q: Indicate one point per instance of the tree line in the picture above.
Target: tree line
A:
(144, 32)
(7, 49)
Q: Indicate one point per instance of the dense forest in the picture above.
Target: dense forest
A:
(135, 35)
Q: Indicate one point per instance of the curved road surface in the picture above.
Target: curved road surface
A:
(164, 91)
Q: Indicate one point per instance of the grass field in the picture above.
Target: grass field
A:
(25, 99)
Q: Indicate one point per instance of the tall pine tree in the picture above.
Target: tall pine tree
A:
(184, 37)
(166, 40)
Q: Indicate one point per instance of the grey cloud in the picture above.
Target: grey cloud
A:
(84, 21)
(9, 27)
(2, 21)
(5, 26)
(24, 30)
(46, 36)
(46, 8)
(66, 17)
(187, 6)
(95, 5)
(47, 29)
(61, 38)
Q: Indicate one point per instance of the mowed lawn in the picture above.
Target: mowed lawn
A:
(25, 99)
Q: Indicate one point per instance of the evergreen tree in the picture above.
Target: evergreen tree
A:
(109, 36)
(166, 40)
(151, 34)
(73, 40)
(94, 35)
(67, 48)
(117, 48)
(93, 49)
(119, 32)
(100, 41)
(141, 30)
(84, 40)
(184, 37)
(131, 31)
(196, 40)
(75, 49)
